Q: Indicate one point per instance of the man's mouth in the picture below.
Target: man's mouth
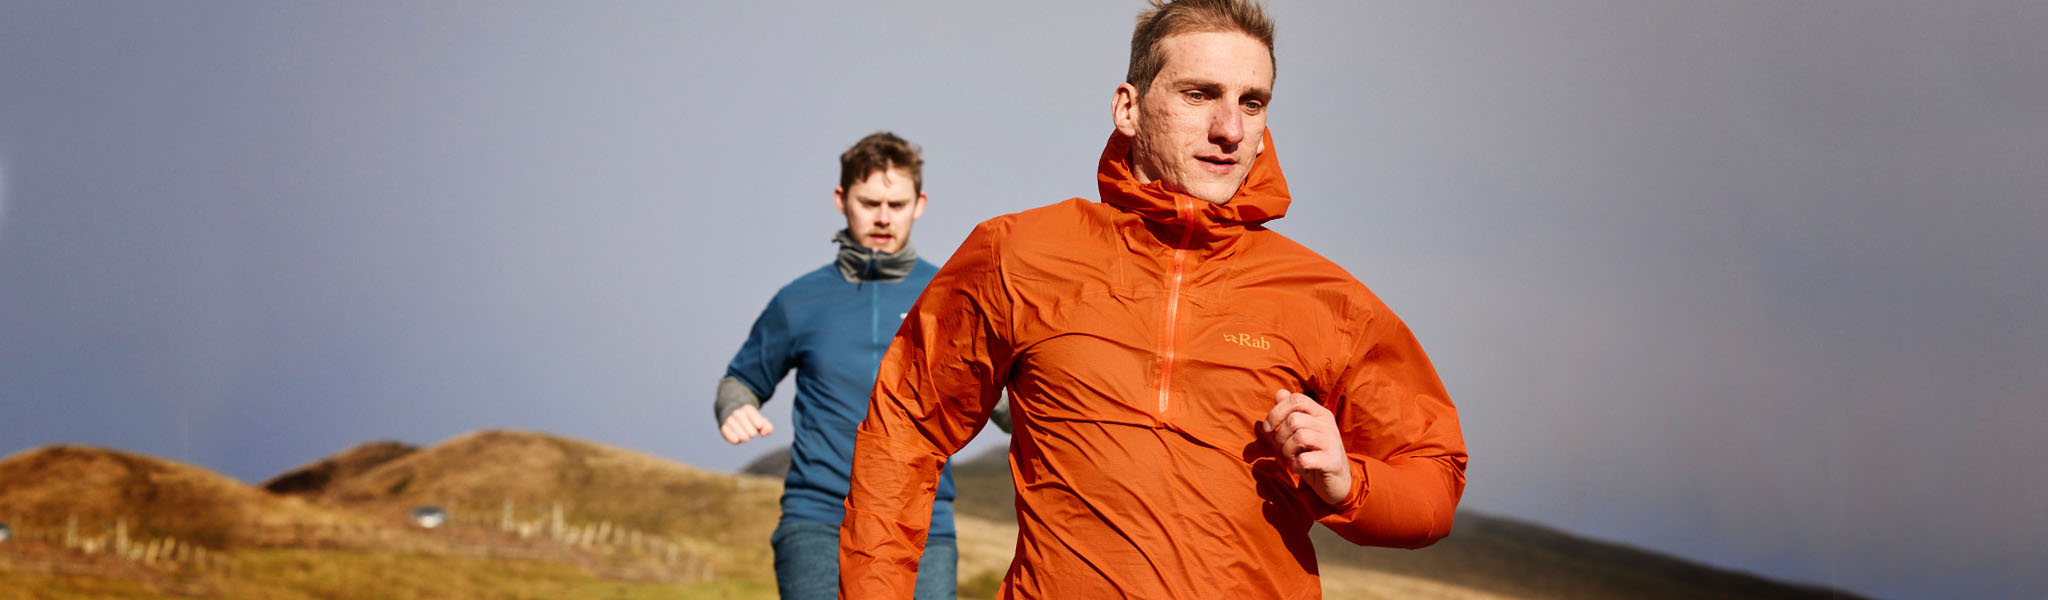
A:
(1217, 165)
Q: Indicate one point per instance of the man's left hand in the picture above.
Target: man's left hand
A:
(1306, 436)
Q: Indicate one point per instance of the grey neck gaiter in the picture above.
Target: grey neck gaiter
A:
(859, 263)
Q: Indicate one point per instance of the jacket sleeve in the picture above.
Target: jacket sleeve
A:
(1401, 432)
(936, 386)
(762, 362)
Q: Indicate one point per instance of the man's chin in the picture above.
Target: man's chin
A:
(1216, 190)
(1215, 193)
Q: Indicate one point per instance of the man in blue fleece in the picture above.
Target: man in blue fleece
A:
(832, 325)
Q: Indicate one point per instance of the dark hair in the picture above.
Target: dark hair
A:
(1166, 19)
(881, 151)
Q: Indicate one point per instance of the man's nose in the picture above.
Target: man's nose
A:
(884, 216)
(1226, 125)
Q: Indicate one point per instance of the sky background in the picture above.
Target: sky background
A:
(1763, 285)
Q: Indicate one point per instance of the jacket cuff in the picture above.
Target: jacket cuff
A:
(732, 394)
(1353, 501)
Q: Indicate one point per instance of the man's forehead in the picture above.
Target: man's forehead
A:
(883, 178)
(884, 187)
(1213, 54)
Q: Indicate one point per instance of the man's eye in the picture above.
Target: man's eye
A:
(1197, 96)
(1254, 105)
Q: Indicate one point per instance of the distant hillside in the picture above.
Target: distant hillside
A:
(1525, 560)
(729, 516)
(630, 525)
(529, 515)
(313, 479)
(479, 473)
(773, 464)
(1484, 553)
(53, 486)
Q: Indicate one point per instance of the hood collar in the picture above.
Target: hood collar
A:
(1262, 198)
(859, 263)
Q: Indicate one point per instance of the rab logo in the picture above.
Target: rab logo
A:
(1246, 340)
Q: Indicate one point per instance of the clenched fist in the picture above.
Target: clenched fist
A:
(1306, 436)
(745, 423)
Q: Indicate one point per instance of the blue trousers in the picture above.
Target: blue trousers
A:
(807, 563)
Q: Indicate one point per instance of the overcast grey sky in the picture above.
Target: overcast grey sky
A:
(1759, 284)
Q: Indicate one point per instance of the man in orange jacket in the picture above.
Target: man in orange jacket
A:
(1190, 391)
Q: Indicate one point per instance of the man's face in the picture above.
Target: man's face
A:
(1202, 122)
(880, 208)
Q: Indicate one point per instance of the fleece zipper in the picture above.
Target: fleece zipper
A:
(874, 308)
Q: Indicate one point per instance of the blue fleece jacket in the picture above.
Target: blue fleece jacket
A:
(833, 332)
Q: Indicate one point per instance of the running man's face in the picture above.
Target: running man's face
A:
(880, 208)
(1203, 121)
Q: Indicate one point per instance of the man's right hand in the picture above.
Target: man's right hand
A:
(745, 423)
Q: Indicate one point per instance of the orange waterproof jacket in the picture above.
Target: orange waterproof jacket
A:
(1141, 338)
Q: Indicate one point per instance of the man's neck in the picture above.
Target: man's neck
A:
(859, 263)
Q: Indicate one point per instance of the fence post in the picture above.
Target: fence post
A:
(556, 531)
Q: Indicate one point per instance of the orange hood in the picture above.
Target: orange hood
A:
(1263, 196)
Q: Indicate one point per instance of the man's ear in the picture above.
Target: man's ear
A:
(839, 199)
(917, 212)
(1123, 109)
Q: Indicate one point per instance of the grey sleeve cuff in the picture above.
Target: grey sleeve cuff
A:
(1001, 414)
(732, 395)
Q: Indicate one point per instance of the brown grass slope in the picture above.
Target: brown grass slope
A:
(719, 515)
(1485, 555)
(474, 476)
(337, 528)
(312, 479)
(46, 487)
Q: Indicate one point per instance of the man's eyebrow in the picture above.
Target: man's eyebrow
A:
(1197, 82)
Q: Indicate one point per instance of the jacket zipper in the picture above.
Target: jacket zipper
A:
(1182, 209)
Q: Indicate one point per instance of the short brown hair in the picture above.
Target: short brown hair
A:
(881, 151)
(1166, 19)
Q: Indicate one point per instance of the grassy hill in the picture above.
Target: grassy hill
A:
(629, 525)
(312, 479)
(95, 493)
(545, 492)
(479, 474)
